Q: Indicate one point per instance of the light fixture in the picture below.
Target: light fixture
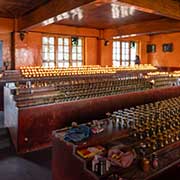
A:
(22, 35)
(106, 42)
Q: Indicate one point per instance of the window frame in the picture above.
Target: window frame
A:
(121, 61)
(56, 51)
(48, 61)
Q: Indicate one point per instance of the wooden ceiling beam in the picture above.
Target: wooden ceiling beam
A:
(48, 12)
(147, 27)
(167, 8)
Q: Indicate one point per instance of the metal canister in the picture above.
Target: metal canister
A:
(102, 166)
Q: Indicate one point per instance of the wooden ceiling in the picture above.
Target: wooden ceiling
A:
(115, 16)
(106, 15)
(17, 8)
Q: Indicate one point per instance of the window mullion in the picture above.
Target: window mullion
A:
(83, 54)
(129, 53)
(70, 51)
(55, 51)
(121, 53)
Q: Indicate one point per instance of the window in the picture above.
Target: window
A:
(116, 53)
(62, 51)
(77, 52)
(48, 52)
(124, 53)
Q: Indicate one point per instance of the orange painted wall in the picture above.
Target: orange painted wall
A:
(142, 41)
(91, 51)
(105, 53)
(28, 51)
(165, 59)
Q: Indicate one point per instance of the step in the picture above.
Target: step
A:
(5, 141)
(4, 131)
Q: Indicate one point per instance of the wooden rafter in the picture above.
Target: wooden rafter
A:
(167, 8)
(156, 26)
(47, 11)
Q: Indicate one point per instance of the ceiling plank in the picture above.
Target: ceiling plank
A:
(147, 27)
(167, 8)
(47, 11)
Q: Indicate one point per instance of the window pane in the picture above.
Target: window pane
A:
(51, 48)
(79, 42)
(127, 45)
(60, 49)
(60, 64)
(123, 56)
(114, 56)
(127, 56)
(60, 56)
(79, 49)
(45, 56)
(45, 48)
(116, 53)
(116, 63)
(60, 41)
(125, 63)
(45, 40)
(66, 56)
(74, 49)
(66, 64)
(51, 64)
(117, 44)
(74, 64)
(66, 41)
(51, 40)
(51, 56)
(79, 64)
(66, 49)
(79, 56)
(73, 56)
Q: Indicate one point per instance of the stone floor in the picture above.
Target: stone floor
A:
(32, 166)
(37, 165)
